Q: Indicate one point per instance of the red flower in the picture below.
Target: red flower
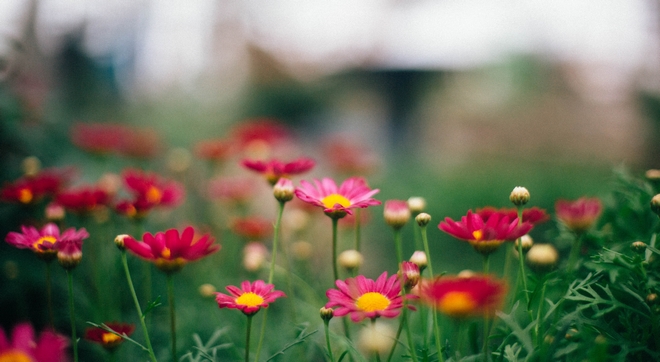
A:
(463, 297)
(337, 202)
(149, 191)
(533, 215)
(214, 149)
(485, 235)
(578, 215)
(31, 189)
(275, 169)
(169, 251)
(83, 200)
(106, 138)
(43, 242)
(250, 298)
(24, 347)
(252, 228)
(106, 339)
(365, 298)
(264, 130)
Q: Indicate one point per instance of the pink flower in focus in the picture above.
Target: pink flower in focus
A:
(250, 298)
(169, 251)
(578, 215)
(365, 298)
(43, 242)
(24, 347)
(337, 202)
(273, 170)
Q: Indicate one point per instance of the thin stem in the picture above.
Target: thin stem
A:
(49, 296)
(72, 315)
(358, 224)
(539, 313)
(137, 306)
(399, 247)
(170, 299)
(522, 276)
(486, 319)
(247, 339)
(327, 339)
(486, 263)
(575, 253)
(436, 328)
(404, 319)
(262, 334)
(334, 249)
(396, 339)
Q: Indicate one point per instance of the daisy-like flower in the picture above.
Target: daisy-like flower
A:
(83, 200)
(361, 297)
(578, 215)
(485, 235)
(274, 169)
(532, 215)
(250, 297)
(31, 189)
(463, 297)
(108, 340)
(169, 251)
(43, 242)
(24, 347)
(149, 191)
(337, 201)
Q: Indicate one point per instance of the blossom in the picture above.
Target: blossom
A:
(83, 200)
(109, 340)
(462, 297)
(169, 251)
(396, 213)
(149, 190)
(365, 298)
(337, 202)
(30, 189)
(113, 138)
(69, 250)
(24, 347)
(253, 227)
(274, 169)
(409, 273)
(578, 215)
(43, 242)
(533, 215)
(250, 298)
(264, 131)
(214, 149)
(485, 235)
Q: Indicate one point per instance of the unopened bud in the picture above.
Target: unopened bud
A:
(652, 299)
(207, 290)
(283, 190)
(542, 258)
(416, 204)
(653, 175)
(327, 313)
(31, 166)
(526, 241)
(55, 212)
(466, 274)
(350, 259)
(119, 241)
(638, 247)
(519, 196)
(420, 259)
(423, 219)
(396, 213)
(655, 204)
(410, 273)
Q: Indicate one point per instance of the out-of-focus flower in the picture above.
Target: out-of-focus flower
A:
(283, 190)
(349, 157)
(350, 259)
(376, 338)
(110, 183)
(237, 190)
(578, 215)
(337, 202)
(83, 200)
(54, 212)
(178, 160)
(410, 274)
(420, 259)
(108, 340)
(207, 290)
(216, 150)
(113, 138)
(302, 250)
(69, 249)
(42, 242)
(542, 257)
(348, 221)
(263, 131)
(22, 346)
(169, 251)
(254, 256)
(464, 297)
(487, 235)
(365, 298)
(274, 169)
(250, 298)
(252, 227)
(416, 204)
(526, 242)
(149, 190)
(31, 166)
(396, 213)
(31, 189)
(533, 215)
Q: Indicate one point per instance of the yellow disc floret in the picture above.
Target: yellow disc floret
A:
(331, 200)
(154, 194)
(372, 302)
(15, 356)
(457, 304)
(110, 338)
(48, 238)
(250, 299)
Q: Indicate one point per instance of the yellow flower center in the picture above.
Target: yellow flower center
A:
(109, 338)
(15, 356)
(457, 304)
(250, 299)
(154, 194)
(48, 238)
(372, 301)
(477, 234)
(25, 195)
(166, 253)
(332, 199)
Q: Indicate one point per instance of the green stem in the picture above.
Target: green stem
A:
(539, 313)
(436, 328)
(72, 314)
(327, 339)
(399, 247)
(358, 234)
(486, 263)
(575, 253)
(522, 276)
(137, 306)
(396, 339)
(247, 339)
(404, 318)
(170, 299)
(335, 272)
(49, 296)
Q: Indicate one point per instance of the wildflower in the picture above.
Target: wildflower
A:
(216, 150)
(638, 247)
(416, 204)
(302, 250)
(526, 242)
(113, 138)
(542, 257)
(396, 213)
(519, 196)
(274, 169)
(365, 298)
(252, 227)
(178, 160)
(206, 290)
(337, 202)
(169, 251)
(23, 347)
(410, 274)
(283, 190)
(29, 190)
(463, 297)
(109, 340)
(83, 200)
(578, 215)
(149, 191)
(54, 212)
(250, 298)
(350, 259)
(533, 215)
(31, 166)
(263, 131)
(423, 219)
(42, 242)
(487, 235)
(326, 313)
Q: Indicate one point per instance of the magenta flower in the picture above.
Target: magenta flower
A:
(533, 215)
(24, 347)
(337, 202)
(485, 235)
(169, 251)
(83, 200)
(578, 215)
(43, 242)
(365, 298)
(149, 191)
(250, 298)
(273, 170)
(31, 189)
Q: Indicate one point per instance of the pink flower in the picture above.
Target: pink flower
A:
(262, 130)
(578, 215)
(149, 191)
(533, 215)
(273, 170)
(349, 156)
(396, 213)
(24, 347)
(252, 228)
(232, 189)
(337, 202)
(214, 149)
(365, 298)
(169, 251)
(113, 138)
(83, 200)
(31, 189)
(250, 298)
(43, 242)
(463, 297)
(487, 235)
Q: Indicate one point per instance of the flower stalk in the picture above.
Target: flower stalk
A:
(72, 315)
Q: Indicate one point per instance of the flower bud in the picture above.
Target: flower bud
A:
(283, 190)
(179, 160)
(31, 166)
(350, 259)
(207, 290)
(396, 213)
(542, 258)
(410, 273)
(327, 313)
(376, 338)
(55, 212)
(652, 175)
(423, 219)
(466, 273)
(519, 196)
(254, 256)
(69, 253)
(652, 299)
(638, 247)
(526, 242)
(416, 204)
(655, 204)
(119, 241)
(302, 250)
(419, 258)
